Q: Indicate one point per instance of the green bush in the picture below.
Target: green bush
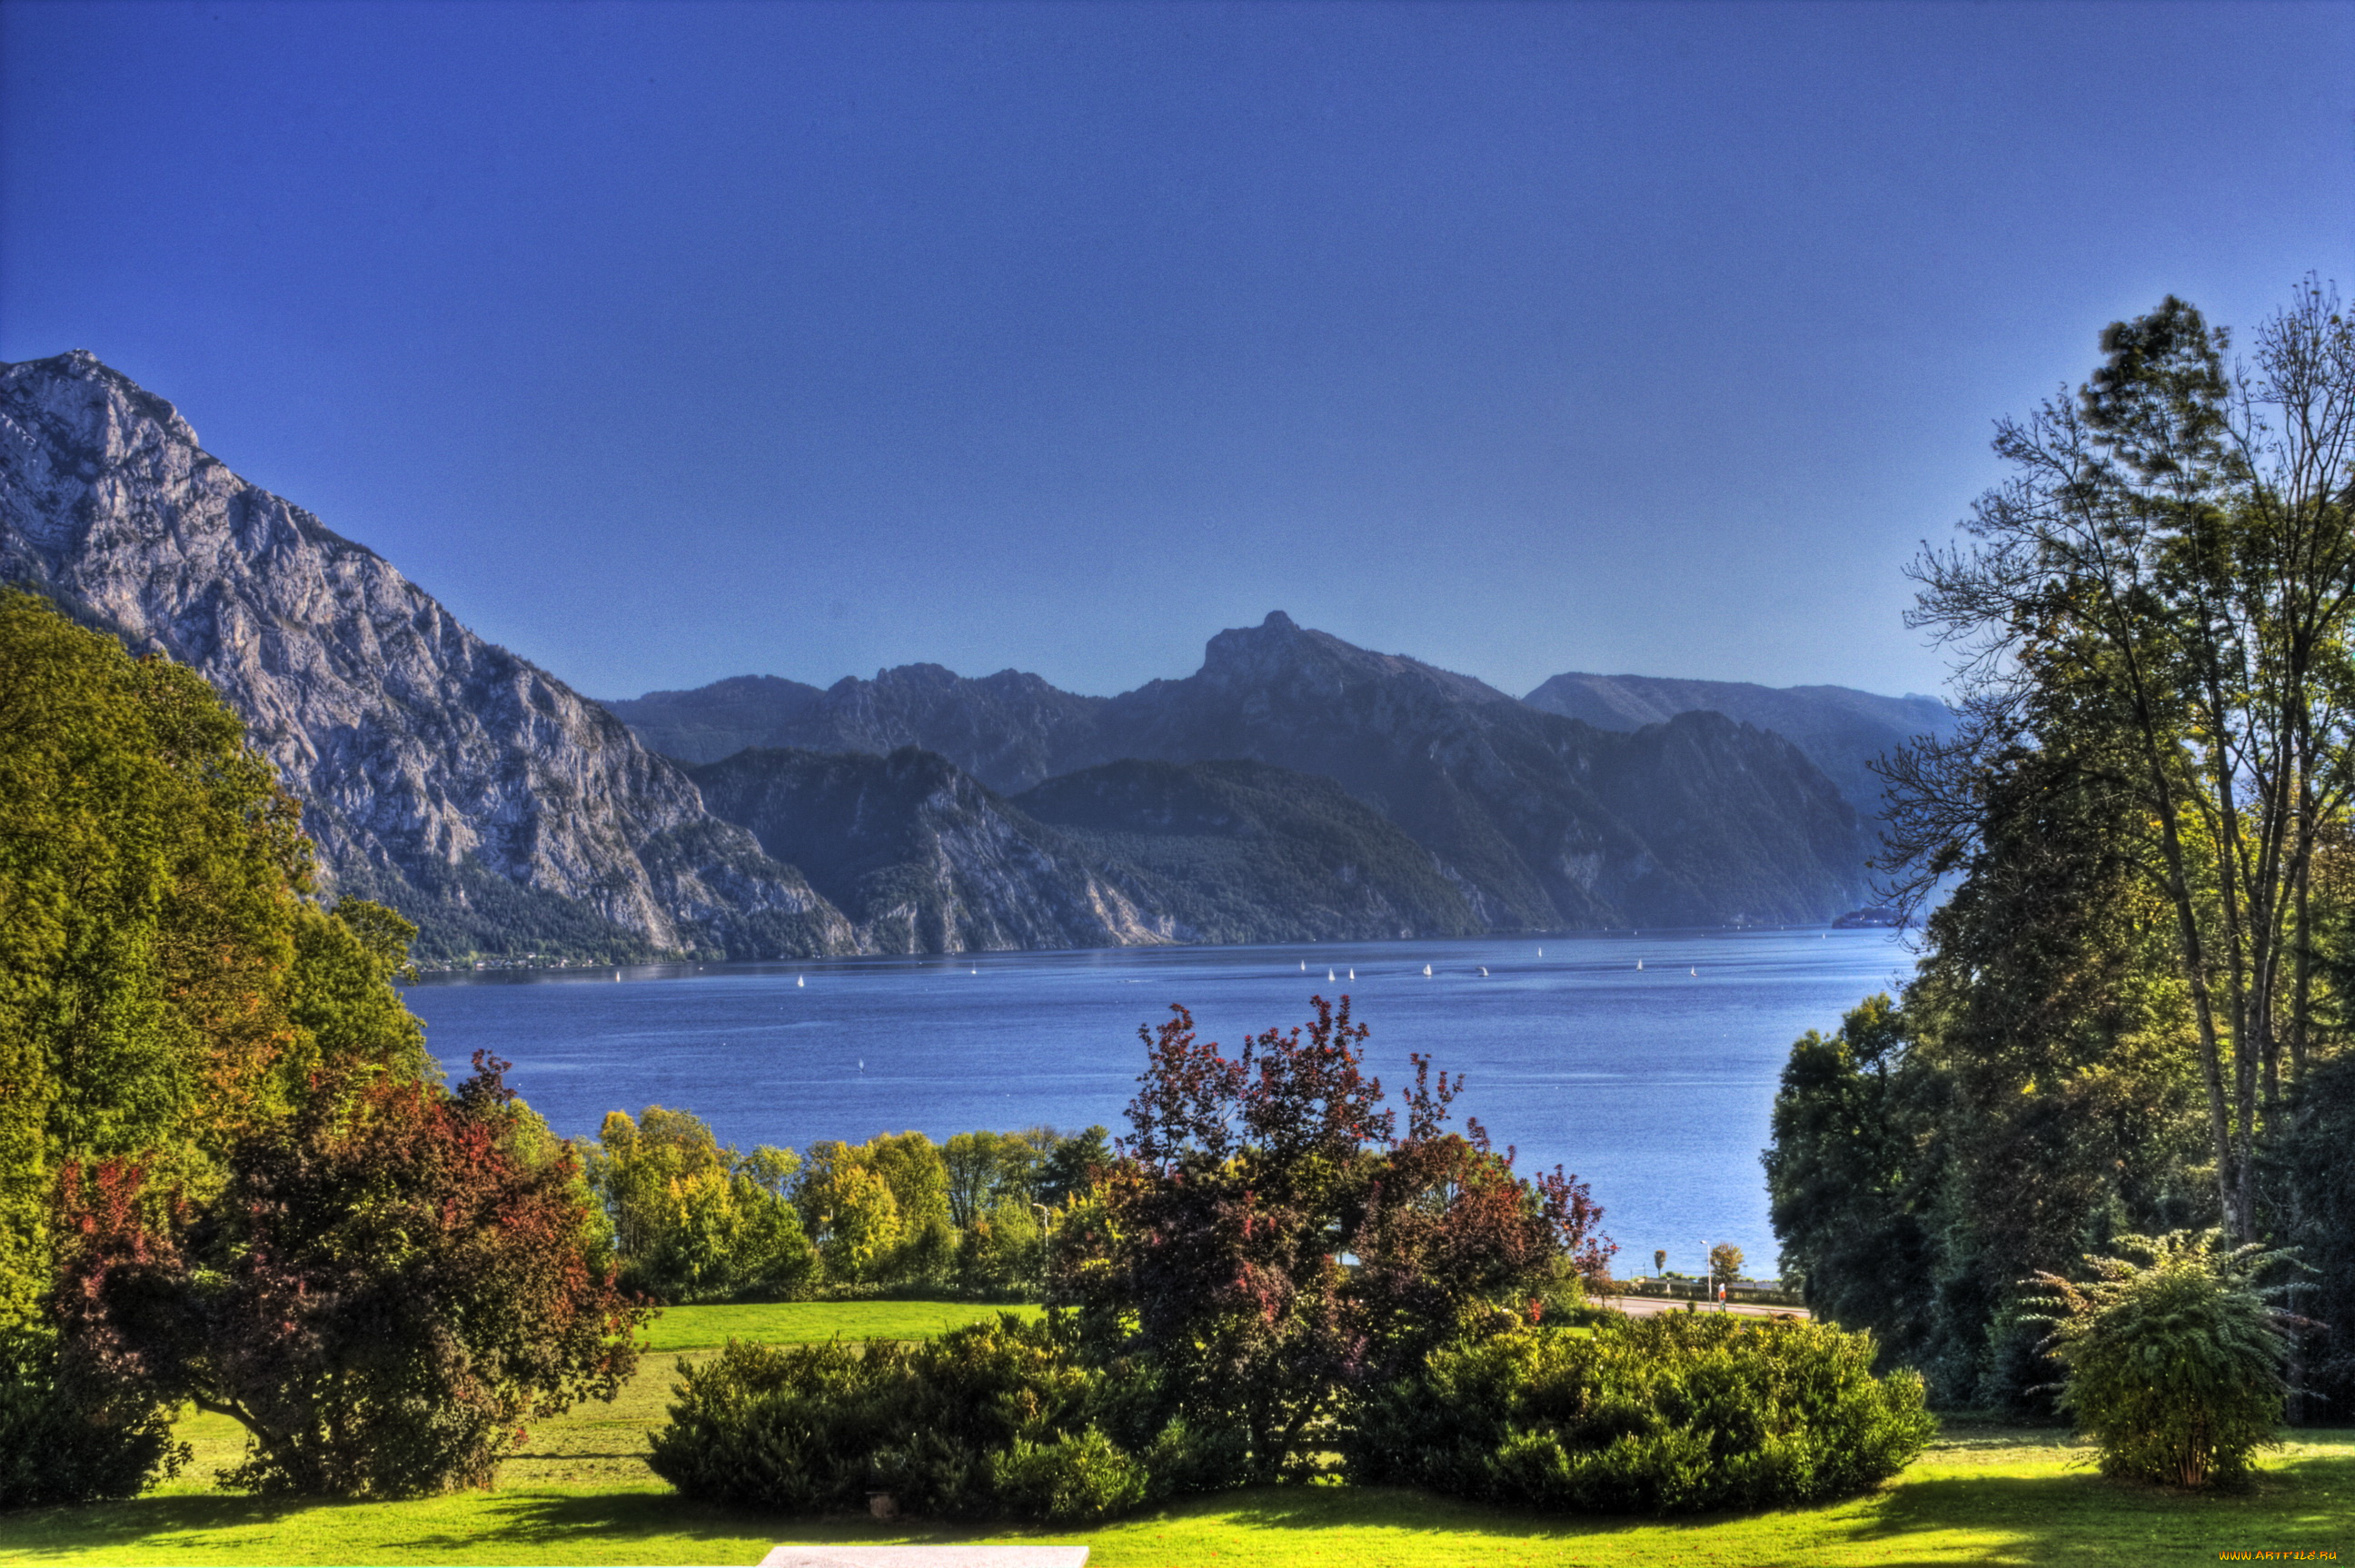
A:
(995, 1420)
(1666, 1415)
(2174, 1363)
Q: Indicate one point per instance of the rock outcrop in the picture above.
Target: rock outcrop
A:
(926, 858)
(447, 776)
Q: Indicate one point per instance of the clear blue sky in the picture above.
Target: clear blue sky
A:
(666, 342)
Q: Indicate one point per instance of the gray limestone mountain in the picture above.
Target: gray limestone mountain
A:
(1841, 729)
(438, 772)
(925, 857)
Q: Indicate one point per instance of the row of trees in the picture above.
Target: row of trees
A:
(693, 1220)
(2132, 1015)
(228, 1172)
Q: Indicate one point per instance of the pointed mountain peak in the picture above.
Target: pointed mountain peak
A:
(61, 386)
(1280, 650)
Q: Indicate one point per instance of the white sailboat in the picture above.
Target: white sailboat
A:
(799, 981)
(1353, 973)
(1692, 971)
(1639, 963)
(1328, 977)
(1426, 971)
(1483, 971)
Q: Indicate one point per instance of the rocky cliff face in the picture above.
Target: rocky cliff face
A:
(441, 773)
(926, 858)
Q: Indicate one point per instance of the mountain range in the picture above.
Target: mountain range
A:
(1295, 786)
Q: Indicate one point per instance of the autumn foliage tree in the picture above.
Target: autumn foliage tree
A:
(167, 988)
(391, 1285)
(1263, 1240)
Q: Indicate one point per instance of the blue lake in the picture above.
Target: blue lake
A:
(1653, 1084)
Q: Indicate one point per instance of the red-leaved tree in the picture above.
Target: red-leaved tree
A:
(391, 1284)
(1264, 1242)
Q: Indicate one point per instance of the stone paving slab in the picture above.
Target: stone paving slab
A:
(797, 1554)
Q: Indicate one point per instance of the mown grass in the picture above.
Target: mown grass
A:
(802, 1322)
(581, 1493)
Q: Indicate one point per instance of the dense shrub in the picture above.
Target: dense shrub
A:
(2174, 1363)
(1001, 1419)
(1666, 1414)
(68, 1438)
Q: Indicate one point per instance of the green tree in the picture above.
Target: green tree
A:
(167, 988)
(850, 1212)
(1725, 1262)
(694, 1220)
(1851, 1175)
(2164, 590)
(392, 1281)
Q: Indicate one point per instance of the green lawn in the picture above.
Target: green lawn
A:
(581, 1493)
(800, 1322)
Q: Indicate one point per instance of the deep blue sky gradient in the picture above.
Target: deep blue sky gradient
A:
(666, 342)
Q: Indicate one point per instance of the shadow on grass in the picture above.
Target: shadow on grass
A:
(2073, 1515)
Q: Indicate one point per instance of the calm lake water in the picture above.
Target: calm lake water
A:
(1653, 1084)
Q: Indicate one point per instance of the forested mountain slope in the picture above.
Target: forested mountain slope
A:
(1841, 729)
(1245, 851)
(1541, 821)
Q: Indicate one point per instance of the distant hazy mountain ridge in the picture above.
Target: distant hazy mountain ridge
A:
(1840, 730)
(441, 773)
(1007, 729)
(1536, 822)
